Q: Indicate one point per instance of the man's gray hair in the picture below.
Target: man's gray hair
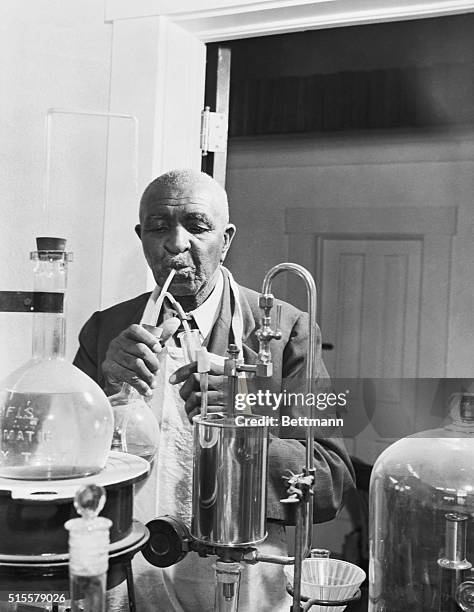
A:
(186, 177)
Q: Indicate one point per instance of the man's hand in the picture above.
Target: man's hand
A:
(131, 357)
(190, 391)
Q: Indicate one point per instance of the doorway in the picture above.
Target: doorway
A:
(350, 193)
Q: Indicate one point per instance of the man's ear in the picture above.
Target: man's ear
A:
(229, 233)
(138, 230)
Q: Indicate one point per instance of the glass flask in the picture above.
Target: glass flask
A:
(136, 429)
(422, 518)
(55, 421)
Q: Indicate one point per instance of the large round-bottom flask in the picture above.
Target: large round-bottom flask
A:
(422, 517)
(55, 421)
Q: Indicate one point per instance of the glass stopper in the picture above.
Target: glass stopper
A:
(89, 500)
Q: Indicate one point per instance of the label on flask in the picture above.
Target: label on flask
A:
(24, 427)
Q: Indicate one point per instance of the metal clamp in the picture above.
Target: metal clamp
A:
(298, 485)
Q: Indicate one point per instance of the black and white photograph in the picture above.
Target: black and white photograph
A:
(237, 306)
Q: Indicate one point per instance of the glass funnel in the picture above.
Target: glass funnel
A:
(55, 421)
(421, 517)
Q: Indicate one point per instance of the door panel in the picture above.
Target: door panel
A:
(376, 287)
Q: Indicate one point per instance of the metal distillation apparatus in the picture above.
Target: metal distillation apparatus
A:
(230, 474)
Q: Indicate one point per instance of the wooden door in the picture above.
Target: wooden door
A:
(383, 276)
(374, 328)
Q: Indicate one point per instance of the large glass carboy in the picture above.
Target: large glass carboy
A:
(55, 421)
(422, 519)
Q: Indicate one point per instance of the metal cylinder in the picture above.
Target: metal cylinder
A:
(229, 481)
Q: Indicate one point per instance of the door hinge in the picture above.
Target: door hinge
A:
(213, 132)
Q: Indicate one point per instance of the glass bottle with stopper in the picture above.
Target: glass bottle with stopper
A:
(56, 422)
(88, 551)
(136, 429)
(421, 528)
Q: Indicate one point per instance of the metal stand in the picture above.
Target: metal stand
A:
(52, 574)
(130, 586)
(308, 603)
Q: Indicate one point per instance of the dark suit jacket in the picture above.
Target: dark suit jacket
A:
(334, 474)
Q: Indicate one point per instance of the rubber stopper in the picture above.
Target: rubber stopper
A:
(48, 243)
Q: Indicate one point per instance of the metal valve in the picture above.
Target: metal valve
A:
(266, 333)
(293, 498)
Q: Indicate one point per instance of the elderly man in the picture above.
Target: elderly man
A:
(184, 226)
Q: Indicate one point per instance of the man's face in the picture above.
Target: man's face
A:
(184, 229)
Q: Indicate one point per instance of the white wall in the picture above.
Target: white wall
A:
(268, 175)
(62, 54)
(53, 53)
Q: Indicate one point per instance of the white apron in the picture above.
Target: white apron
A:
(189, 586)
